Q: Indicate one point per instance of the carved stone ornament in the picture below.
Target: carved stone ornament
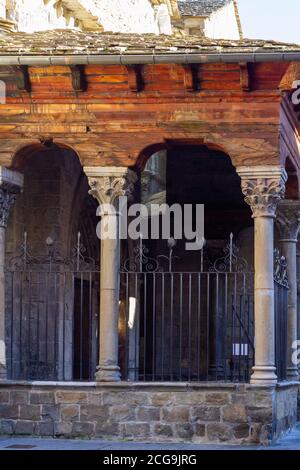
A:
(108, 188)
(288, 220)
(263, 188)
(7, 199)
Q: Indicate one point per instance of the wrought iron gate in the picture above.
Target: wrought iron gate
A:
(52, 315)
(187, 326)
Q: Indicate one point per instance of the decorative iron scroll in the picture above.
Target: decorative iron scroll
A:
(231, 262)
(280, 269)
(142, 262)
(78, 260)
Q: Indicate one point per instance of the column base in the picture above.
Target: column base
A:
(264, 375)
(292, 373)
(108, 374)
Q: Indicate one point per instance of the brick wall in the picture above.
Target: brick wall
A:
(201, 413)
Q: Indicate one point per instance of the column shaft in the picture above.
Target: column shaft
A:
(2, 305)
(264, 368)
(108, 369)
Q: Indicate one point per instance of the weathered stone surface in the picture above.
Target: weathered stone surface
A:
(259, 398)
(71, 397)
(95, 399)
(62, 429)
(4, 396)
(260, 415)
(189, 398)
(9, 411)
(30, 412)
(163, 399)
(107, 428)
(241, 431)
(69, 412)
(199, 430)
(25, 428)
(94, 413)
(45, 428)
(176, 413)
(130, 398)
(121, 413)
(223, 416)
(50, 413)
(7, 426)
(18, 397)
(80, 429)
(135, 430)
(206, 413)
(217, 398)
(147, 413)
(219, 432)
(235, 413)
(163, 430)
(184, 431)
(41, 398)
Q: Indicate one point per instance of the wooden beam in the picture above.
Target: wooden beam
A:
(78, 78)
(23, 78)
(190, 76)
(245, 80)
(135, 79)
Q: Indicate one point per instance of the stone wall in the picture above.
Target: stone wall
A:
(211, 413)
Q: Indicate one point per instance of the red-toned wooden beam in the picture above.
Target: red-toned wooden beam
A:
(245, 79)
(135, 79)
(190, 74)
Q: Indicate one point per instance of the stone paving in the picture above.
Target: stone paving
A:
(289, 442)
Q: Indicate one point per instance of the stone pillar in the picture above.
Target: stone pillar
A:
(298, 295)
(107, 185)
(288, 220)
(263, 188)
(10, 185)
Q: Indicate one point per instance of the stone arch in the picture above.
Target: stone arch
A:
(168, 144)
(25, 151)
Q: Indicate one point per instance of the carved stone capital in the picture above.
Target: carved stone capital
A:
(11, 183)
(108, 184)
(288, 220)
(263, 188)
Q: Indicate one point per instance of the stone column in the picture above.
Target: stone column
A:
(10, 185)
(298, 296)
(263, 188)
(107, 185)
(288, 220)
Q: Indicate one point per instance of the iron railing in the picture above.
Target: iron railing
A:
(52, 316)
(187, 326)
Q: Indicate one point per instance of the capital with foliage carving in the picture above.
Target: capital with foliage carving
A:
(108, 184)
(263, 188)
(288, 220)
(11, 183)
